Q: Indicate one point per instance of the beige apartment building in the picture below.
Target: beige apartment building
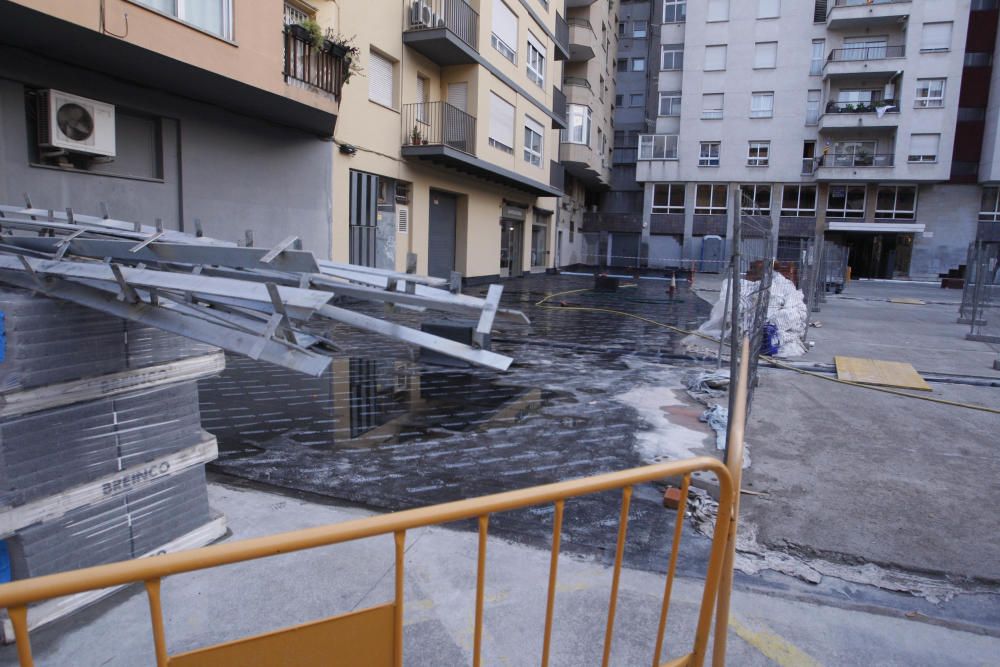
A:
(207, 113)
(448, 150)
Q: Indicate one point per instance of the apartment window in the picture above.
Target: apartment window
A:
(536, 60)
(896, 202)
(501, 124)
(765, 55)
(798, 201)
(670, 103)
(936, 36)
(989, 210)
(423, 97)
(812, 106)
(657, 146)
(846, 201)
(381, 80)
(214, 16)
(639, 28)
(718, 10)
(578, 116)
(864, 48)
(768, 9)
(668, 198)
(818, 57)
(619, 100)
(671, 57)
(715, 57)
(711, 199)
(504, 36)
(674, 11)
(930, 93)
(294, 14)
(622, 64)
(759, 153)
(637, 99)
(533, 133)
(709, 154)
(621, 28)
(711, 106)
(924, 147)
(762, 105)
(638, 64)
(755, 199)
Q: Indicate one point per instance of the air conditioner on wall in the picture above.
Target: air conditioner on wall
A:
(75, 124)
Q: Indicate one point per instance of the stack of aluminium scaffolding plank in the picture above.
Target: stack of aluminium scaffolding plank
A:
(102, 454)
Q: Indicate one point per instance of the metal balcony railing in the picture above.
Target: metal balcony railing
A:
(561, 37)
(317, 65)
(438, 124)
(457, 16)
(857, 160)
(862, 3)
(890, 106)
(861, 53)
(580, 23)
(559, 104)
(624, 155)
(577, 81)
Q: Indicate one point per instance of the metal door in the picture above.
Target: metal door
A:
(363, 217)
(511, 238)
(441, 242)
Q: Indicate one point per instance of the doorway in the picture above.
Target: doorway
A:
(441, 234)
(511, 238)
(882, 256)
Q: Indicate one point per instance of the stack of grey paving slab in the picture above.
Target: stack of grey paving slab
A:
(102, 454)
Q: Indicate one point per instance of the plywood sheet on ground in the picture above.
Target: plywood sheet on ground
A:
(906, 300)
(883, 373)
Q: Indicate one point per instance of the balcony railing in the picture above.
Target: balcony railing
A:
(889, 106)
(624, 155)
(580, 23)
(857, 160)
(861, 53)
(455, 15)
(559, 106)
(438, 124)
(322, 66)
(561, 38)
(657, 146)
(577, 81)
(808, 166)
(862, 3)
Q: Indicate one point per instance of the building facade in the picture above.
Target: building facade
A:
(858, 120)
(208, 113)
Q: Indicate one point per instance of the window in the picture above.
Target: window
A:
(619, 100)
(638, 64)
(762, 105)
(504, 36)
(864, 48)
(711, 199)
(896, 202)
(755, 199)
(759, 153)
(668, 198)
(214, 16)
(818, 57)
(578, 116)
(857, 154)
(622, 65)
(671, 57)
(621, 28)
(709, 154)
(670, 103)
(812, 106)
(536, 60)
(718, 10)
(381, 80)
(930, 93)
(674, 11)
(423, 97)
(637, 99)
(768, 9)
(293, 13)
(924, 147)
(715, 57)
(639, 28)
(657, 146)
(936, 36)
(501, 124)
(765, 55)
(711, 106)
(989, 210)
(533, 133)
(846, 201)
(798, 201)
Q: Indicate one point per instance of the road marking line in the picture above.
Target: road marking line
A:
(774, 647)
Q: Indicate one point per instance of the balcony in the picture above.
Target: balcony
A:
(624, 156)
(585, 164)
(561, 41)
(858, 166)
(583, 42)
(854, 14)
(570, 4)
(854, 116)
(321, 66)
(444, 135)
(445, 31)
(578, 90)
(864, 60)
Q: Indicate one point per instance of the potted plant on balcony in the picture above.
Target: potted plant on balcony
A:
(415, 136)
(344, 48)
(308, 31)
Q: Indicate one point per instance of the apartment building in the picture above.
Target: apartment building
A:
(862, 120)
(209, 112)
(448, 149)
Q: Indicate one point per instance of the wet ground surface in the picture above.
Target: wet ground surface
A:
(385, 430)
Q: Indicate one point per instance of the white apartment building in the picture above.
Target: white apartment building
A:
(837, 117)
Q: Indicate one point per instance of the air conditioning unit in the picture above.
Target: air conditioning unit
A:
(75, 124)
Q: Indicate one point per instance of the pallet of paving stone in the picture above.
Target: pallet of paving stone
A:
(115, 484)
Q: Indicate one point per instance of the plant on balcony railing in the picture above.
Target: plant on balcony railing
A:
(889, 106)
(326, 61)
(438, 124)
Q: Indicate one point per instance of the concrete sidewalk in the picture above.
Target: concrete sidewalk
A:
(231, 602)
